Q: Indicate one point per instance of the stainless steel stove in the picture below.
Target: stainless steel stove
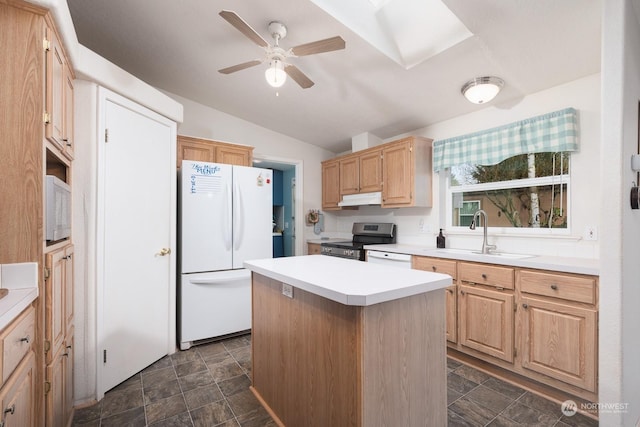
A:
(364, 233)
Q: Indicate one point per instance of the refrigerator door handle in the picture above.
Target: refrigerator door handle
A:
(238, 234)
(213, 281)
(227, 218)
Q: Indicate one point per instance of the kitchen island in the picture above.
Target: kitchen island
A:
(338, 342)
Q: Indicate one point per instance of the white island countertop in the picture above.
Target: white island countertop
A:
(348, 281)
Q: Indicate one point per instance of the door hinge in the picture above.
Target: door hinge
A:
(515, 306)
(47, 273)
(46, 118)
(104, 356)
(47, 387)
(46, 44)
(106, 135)
(515, 352)
(47, 346)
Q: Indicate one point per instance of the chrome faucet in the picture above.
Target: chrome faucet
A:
(486, 248)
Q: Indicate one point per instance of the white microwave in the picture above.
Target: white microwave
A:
(58, 209)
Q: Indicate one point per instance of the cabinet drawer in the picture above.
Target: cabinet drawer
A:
(572, 288)
(490, 275)
(16, 341)
(437, 265)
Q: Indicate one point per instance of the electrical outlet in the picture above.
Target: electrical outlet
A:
(287, 290)
(590, 233)
(423, 227)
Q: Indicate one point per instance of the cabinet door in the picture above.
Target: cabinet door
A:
(195, 149)
(68, 376)
(17, 397)
(398, 175)
(54, 392)
(313, 248)
(68, 287)
(55, 324)
(371, 171)
(330, 185)
(54, 94)
(559, 340)
(234, 155)
(68, 114)
(349, 175)
(452, 314)
(486, 321)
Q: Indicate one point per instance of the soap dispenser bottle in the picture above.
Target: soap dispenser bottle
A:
(440, 240)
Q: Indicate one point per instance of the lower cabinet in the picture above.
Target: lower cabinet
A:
(59, 386)
(486, 321)
(314, 248)
(17, 396)
(59, 329)
(542, 325)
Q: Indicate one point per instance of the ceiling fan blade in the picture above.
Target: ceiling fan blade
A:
(240, 24)
(239, 67)
(320, 46)
(298, 76)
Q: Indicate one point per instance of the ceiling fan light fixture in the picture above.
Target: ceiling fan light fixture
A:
(482, 89)
(275, 74)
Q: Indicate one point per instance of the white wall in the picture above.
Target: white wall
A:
(619, 368)
(582, 94)
(205, 122)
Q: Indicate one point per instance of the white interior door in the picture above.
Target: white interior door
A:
(136, 229)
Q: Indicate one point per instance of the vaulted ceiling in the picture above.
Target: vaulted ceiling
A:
(178, 46)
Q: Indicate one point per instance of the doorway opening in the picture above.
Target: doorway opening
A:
(288, 203)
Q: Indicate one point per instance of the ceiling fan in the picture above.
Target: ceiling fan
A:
(279, 66)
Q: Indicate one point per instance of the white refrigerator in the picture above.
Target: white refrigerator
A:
(225, 218)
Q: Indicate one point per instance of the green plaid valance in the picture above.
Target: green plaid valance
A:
(552, 132)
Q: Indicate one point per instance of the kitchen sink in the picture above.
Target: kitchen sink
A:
(503, 255)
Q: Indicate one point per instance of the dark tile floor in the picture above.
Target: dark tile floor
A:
(208, 385)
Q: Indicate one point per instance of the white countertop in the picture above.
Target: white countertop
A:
(348, 281)
(22, 282)
(543, 262)
(320, 240)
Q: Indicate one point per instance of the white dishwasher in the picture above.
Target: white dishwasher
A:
(389, 258)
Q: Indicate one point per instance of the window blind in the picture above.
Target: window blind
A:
(551, 132)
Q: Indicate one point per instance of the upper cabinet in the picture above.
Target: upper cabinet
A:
(401, 170)
(58, 115)
(205, 150)
(330, 184)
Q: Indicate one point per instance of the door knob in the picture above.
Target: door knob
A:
(163, 252)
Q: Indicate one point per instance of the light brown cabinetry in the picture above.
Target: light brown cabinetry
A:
(541, 325)
(17, 396)
(36, 100)
(314, 249)
(406, 172)
(205, 150)
(361, 172)
(58, 114)
(438, 265)
(59, 336)
(559, 327)
(400, 169)
(330, 184)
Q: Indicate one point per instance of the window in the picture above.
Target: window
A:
(527, 191)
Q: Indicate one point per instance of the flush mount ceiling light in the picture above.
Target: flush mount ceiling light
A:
(275, 74)
(482, 89)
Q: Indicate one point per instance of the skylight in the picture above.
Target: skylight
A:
(407, 31)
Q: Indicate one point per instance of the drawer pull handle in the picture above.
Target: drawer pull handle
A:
(554, 287)
(484, 276)
(525, 305)
(450, 291)
(433, 267)
(461, 292)
(11, 409)
(26, 339)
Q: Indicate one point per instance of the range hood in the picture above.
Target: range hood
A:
(361, 199)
